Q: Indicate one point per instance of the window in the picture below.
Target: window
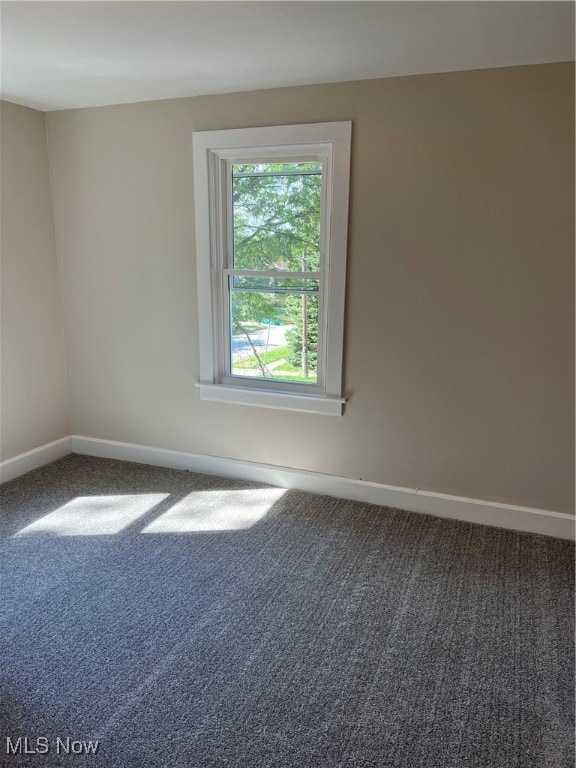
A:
(271, 228)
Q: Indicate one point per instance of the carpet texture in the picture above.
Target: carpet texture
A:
(187, 620)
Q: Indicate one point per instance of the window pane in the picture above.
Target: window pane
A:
(267, 332)
(276, 216)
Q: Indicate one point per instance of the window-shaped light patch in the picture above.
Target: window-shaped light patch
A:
(216, 511)
(94, 515)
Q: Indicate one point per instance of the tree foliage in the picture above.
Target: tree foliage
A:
(276, 218)
(295, 335)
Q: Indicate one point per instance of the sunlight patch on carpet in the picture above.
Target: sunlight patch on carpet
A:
(217, 511)
(94, 515)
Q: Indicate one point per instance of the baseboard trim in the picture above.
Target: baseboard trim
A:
(548, 523)
(37, 457)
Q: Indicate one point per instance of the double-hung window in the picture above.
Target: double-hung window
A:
(271, 228)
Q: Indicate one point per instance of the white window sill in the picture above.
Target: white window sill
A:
(331, 406)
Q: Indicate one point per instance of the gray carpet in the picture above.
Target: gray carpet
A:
(179, 625)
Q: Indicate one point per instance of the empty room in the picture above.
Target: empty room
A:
(287, 384)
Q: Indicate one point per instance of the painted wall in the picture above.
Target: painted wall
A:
(459, 324)
(33, 390)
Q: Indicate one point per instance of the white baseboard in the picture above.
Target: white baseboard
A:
(35, 458)
(493, 513)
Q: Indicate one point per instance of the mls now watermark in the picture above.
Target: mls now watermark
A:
(42, 745)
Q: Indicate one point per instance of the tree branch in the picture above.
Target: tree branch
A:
(238, 325)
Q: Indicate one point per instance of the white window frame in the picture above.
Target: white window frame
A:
(214, 152)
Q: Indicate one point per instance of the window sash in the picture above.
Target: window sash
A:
(226, 334)
(322, 156)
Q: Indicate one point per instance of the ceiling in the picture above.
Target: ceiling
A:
(60, 55)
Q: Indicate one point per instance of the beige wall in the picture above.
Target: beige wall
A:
(459, 324)
(33, 407)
